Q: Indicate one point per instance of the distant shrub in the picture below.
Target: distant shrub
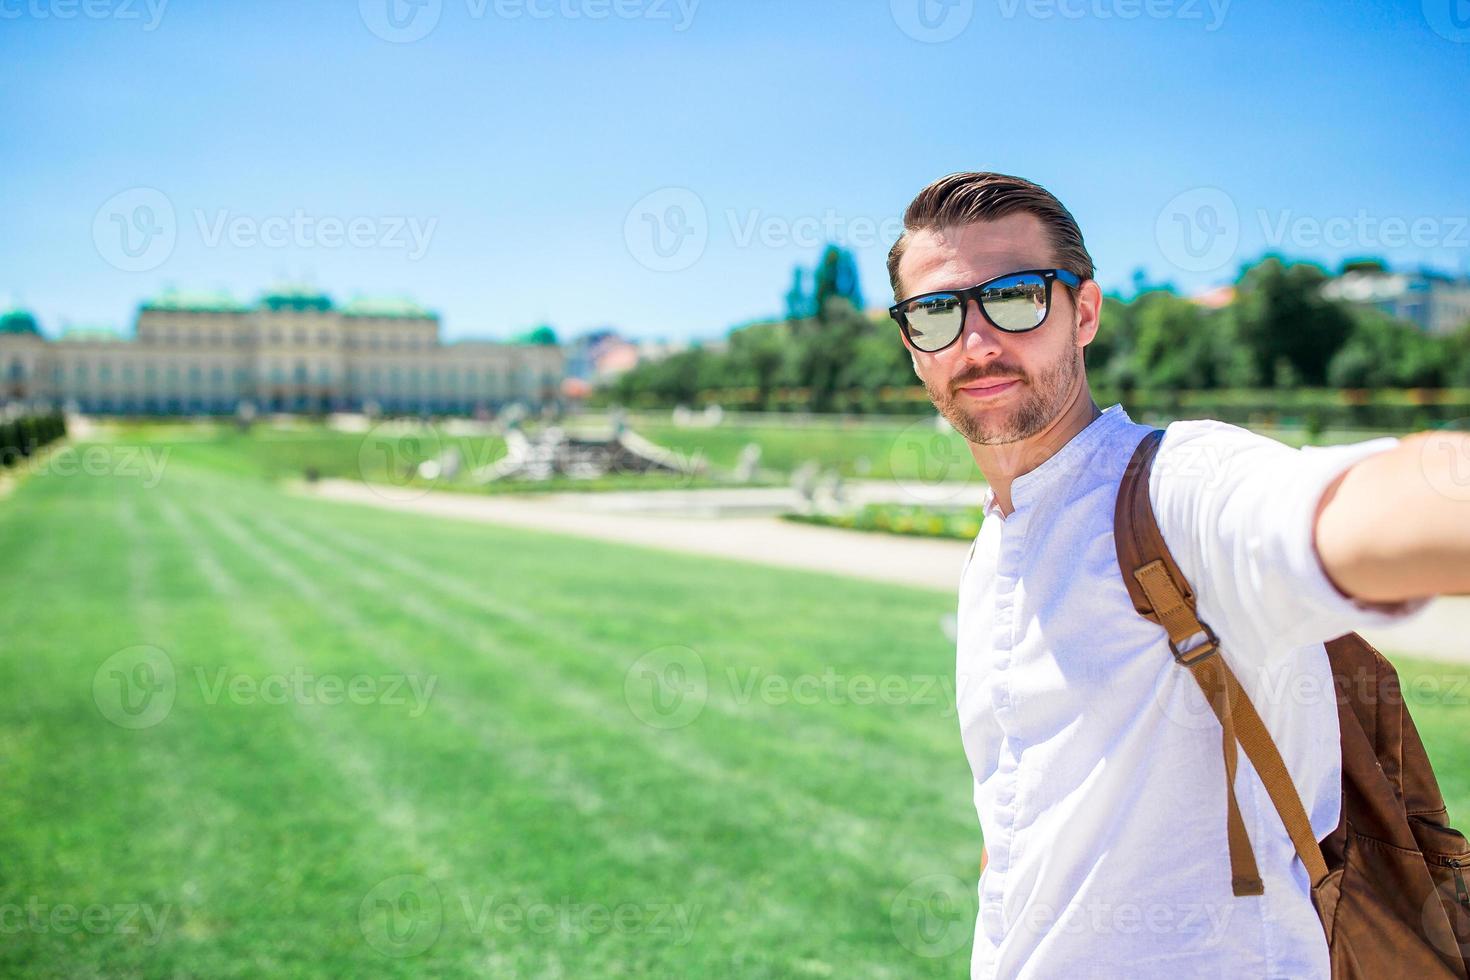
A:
(22, 437)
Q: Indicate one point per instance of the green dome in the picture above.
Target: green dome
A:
(296, 298)
(543, 335)
(19, 321)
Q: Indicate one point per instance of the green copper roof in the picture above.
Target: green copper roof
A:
(296, 297)
(197, 301)
(19, 321)
(541, 335)
(384, 306)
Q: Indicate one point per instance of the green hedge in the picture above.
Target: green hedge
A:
(22, 437)
(961, 524)
(1313, 409)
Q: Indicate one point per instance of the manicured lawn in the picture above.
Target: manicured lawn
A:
(913, 450)
(248, 734)
(569, 798)
(391, 454)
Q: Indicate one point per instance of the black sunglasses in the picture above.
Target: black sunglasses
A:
(1015, 302)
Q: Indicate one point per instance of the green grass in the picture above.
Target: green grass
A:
(561, 797)
(913, 450)
(768, 837)
(386, 456)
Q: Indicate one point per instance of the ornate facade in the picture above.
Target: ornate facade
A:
(293, 351)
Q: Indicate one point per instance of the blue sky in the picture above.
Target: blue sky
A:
(513, 164)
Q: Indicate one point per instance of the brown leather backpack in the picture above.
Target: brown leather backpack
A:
(1390, 882)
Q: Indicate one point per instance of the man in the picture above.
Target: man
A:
(1097, 764)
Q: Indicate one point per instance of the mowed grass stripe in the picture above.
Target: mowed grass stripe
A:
(627, 846)
(823, 830)
(844, 742)
(775, 901)
(60, 758)
(757, 620)
(153, 823)
(831, 828)
(422, 838)
(501, 745)
(296, 903)
(806, 728)
(882, 855)
(315, 735)
(467, 819)
(596, 682)
(884, 858)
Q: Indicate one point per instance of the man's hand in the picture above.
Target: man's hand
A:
(1396, 525)
(983, 858)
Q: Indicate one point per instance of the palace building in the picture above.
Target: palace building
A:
(292, 351)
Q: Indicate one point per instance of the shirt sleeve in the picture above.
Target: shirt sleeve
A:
(1237, 510)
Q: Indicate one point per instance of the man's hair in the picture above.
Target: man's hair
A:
(961, 199)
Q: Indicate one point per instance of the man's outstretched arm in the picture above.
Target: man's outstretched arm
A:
(1396, 525)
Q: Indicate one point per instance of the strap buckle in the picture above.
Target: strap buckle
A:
(1201, 651)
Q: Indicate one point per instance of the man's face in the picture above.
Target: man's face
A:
(966, 380)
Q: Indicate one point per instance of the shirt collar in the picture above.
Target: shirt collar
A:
(1060, 464)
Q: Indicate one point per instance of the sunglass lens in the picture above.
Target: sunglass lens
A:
(1016, 302)
(934, 320)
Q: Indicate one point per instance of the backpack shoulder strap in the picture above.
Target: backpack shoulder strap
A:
(1162, 594)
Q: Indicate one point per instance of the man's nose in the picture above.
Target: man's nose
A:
(981, 339)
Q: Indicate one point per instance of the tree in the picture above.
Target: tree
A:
(825, 342)
(1457, 357)
(756, 355)
(1362, 265)
(1280, 316)
(836, 278)
(1382, 352)
(1174, 348)
(799, 302)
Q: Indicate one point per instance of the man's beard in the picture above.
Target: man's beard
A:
(1041, 399)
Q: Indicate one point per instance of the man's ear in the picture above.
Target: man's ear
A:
(1089, 312)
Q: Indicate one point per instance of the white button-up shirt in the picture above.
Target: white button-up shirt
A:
(1099, 779)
